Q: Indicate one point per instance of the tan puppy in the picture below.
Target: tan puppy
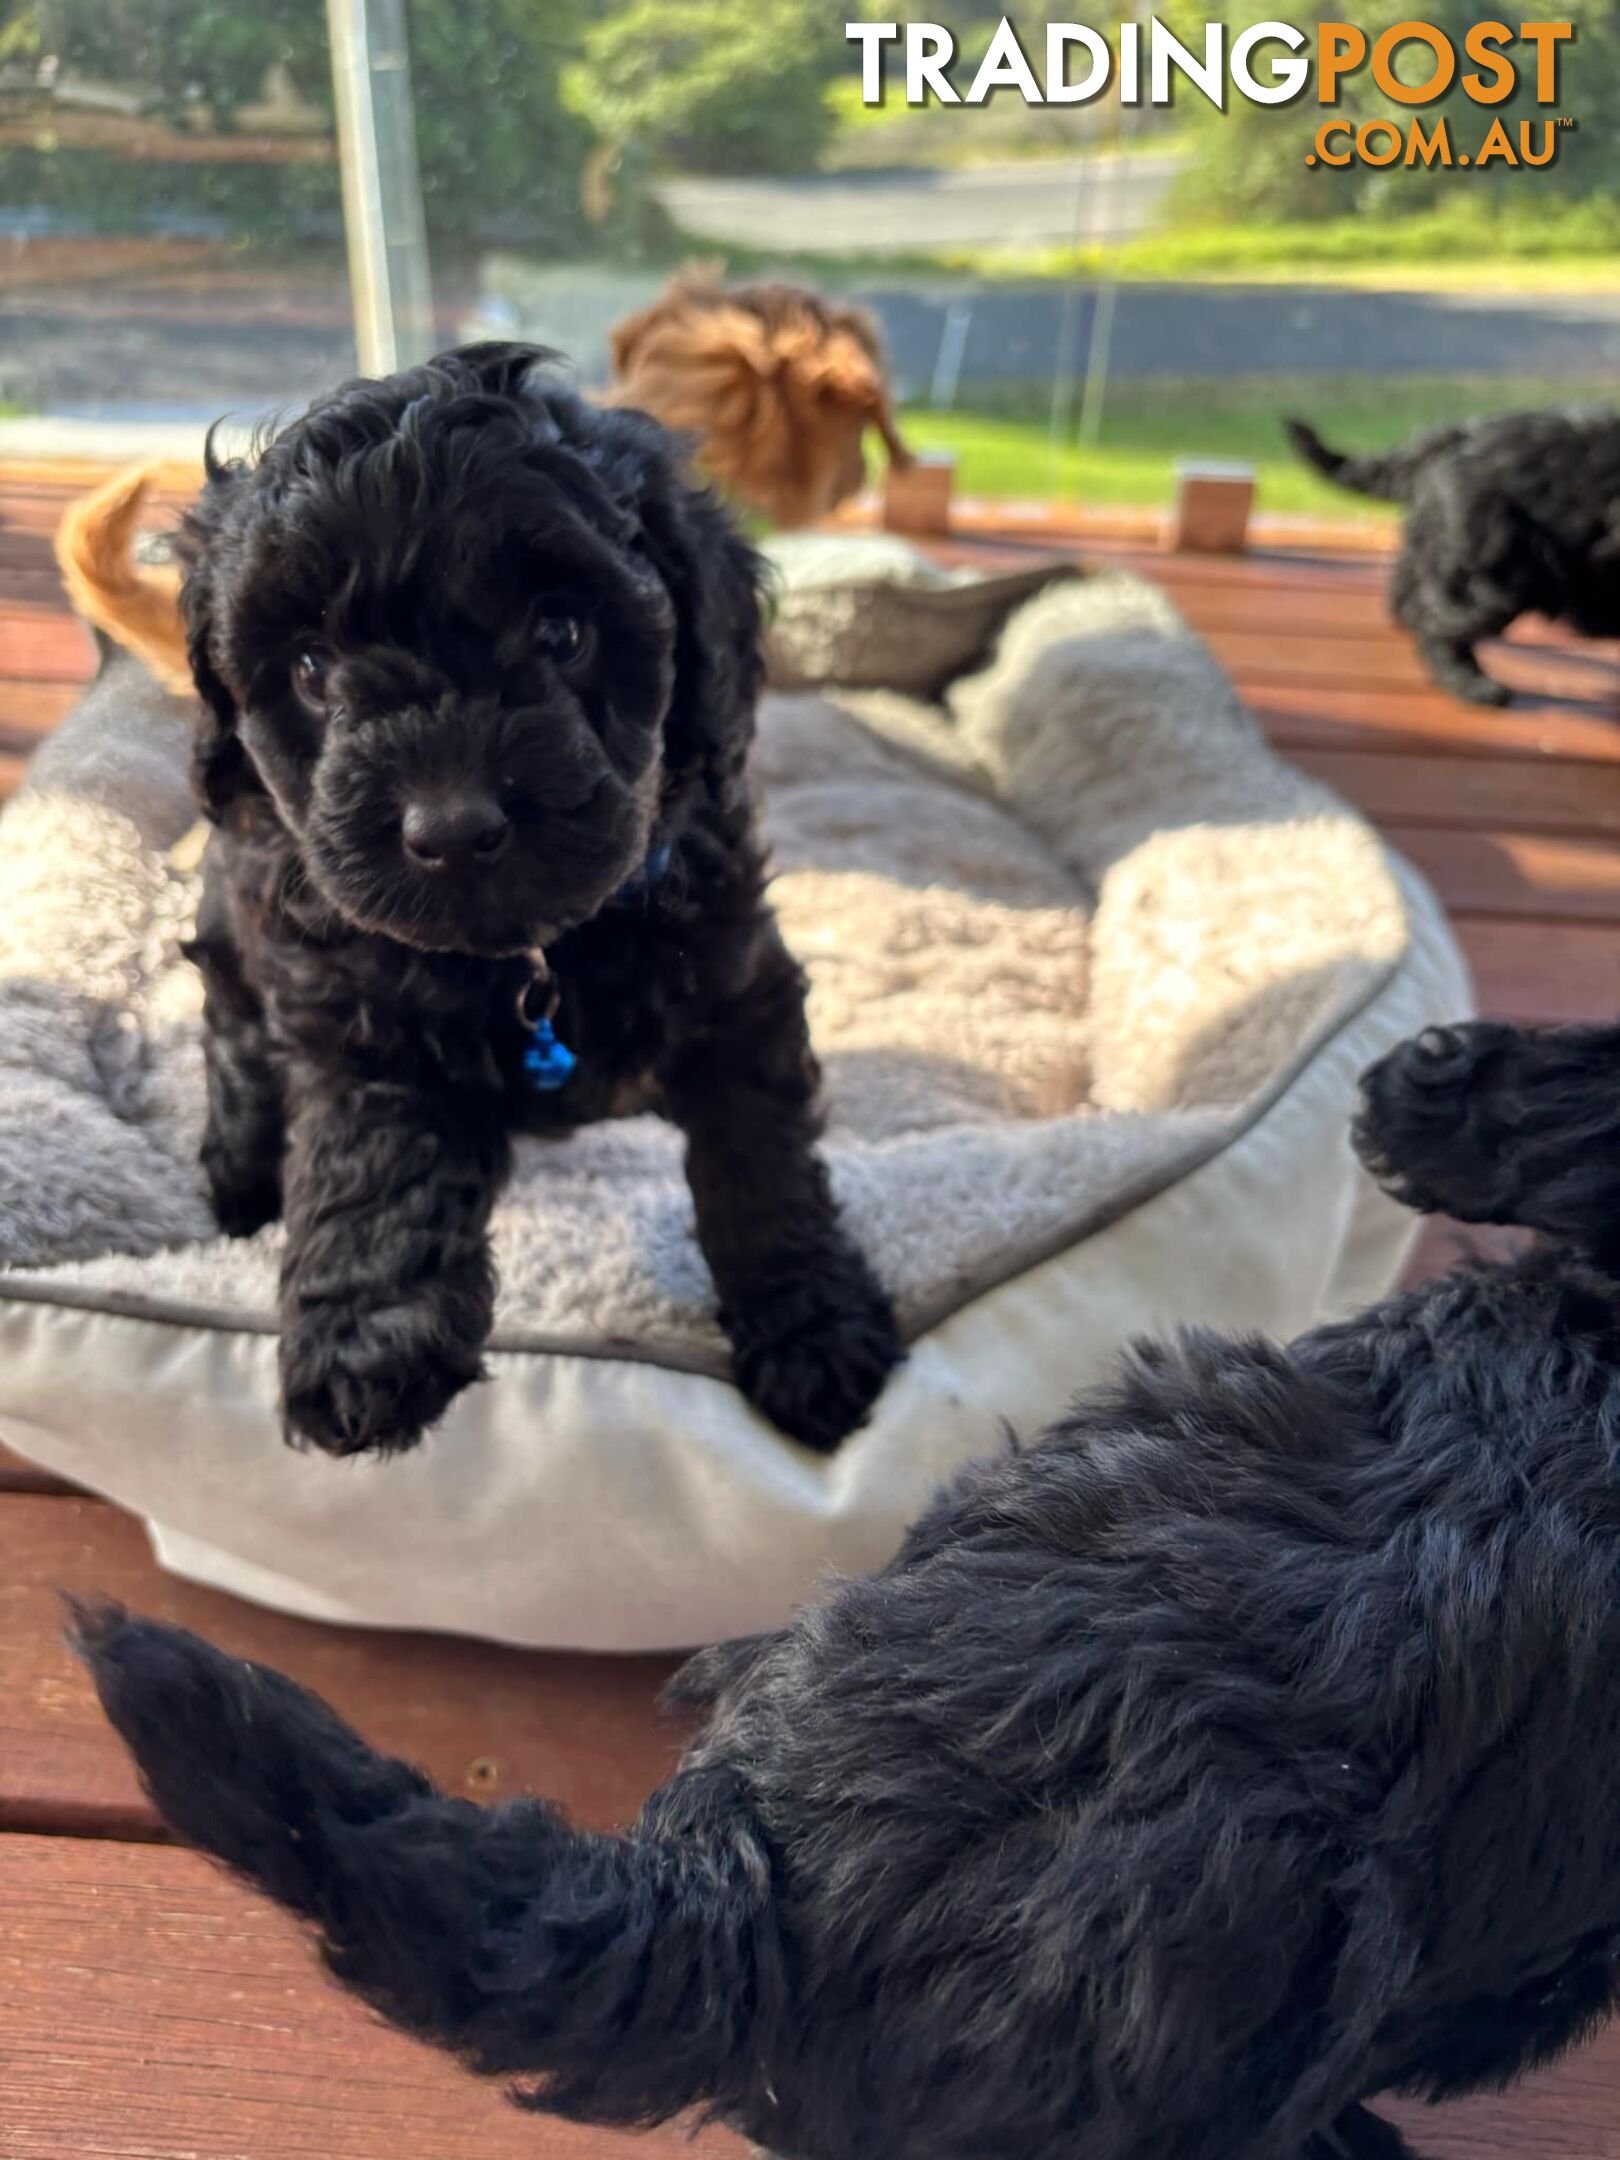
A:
(777, 385)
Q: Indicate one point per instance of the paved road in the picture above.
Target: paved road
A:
(1021, 205)
(1010, 334)
(136, 352)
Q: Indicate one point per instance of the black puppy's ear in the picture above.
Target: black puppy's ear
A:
(219, 767)
(715, 580)
(500, 366)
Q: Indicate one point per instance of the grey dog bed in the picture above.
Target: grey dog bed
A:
(1093, 973)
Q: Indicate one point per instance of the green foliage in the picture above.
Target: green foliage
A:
(494, 141)
(493, 137)
(720, 85)
(186, 52)
(1251, 158)
(20, 39)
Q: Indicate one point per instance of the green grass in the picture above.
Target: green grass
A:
(1147, 426)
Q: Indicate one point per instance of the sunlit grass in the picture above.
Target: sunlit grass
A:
(1147, 426)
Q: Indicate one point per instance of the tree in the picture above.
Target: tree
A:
(494, 142)
(188, 53)
(1251, 158)
(722, 85)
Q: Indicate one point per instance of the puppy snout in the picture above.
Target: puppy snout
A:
(462, 831)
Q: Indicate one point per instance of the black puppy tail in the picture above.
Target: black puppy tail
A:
(629, 1975)
(1388, 477)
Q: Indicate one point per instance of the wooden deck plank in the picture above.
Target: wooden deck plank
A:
(1522, 875)
(1542, 971)
(1290, 653)
(20, 550)
(37, 511)
(33, 585)
(1361, 612)
(47, 646)
(1550, 795)
(485, 1721)
(30, 708)
(1337, 716)
(156, 2011)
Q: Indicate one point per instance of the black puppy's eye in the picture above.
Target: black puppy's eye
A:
(309, 676)
(562, 638)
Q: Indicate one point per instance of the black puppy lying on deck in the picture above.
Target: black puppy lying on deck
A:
(479, 667)
(1239, 1751)
(1505, 517)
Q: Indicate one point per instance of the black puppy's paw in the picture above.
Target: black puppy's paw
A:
(1415, 1131)
(357, 1380)
(813, 1342)
(1499, 1124)
(243, 1200)
(1480, 690)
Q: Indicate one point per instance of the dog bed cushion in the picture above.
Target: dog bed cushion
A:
(1093, 974)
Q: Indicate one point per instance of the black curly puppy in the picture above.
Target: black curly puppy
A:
(479, 667)
(1505, 517)
(1242, 1750)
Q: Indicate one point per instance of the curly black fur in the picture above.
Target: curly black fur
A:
(471, 651)
(1239, 1751)
(1506, 517)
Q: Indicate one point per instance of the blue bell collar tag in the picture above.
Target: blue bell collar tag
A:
(547, 1063)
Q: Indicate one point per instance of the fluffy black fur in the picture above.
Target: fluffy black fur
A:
(472, 652)
(1241, 1750)
(1505, 517)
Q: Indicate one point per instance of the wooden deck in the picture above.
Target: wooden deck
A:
(151, 2011)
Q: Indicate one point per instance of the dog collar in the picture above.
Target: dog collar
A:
(647, 876)
(547, 1063)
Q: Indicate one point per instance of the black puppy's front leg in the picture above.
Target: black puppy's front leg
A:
(246, 1129)
(1445, 628)
(1500, 1124)
(388, 1288)
(812, 1332)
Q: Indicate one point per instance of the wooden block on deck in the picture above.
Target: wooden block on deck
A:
(154, 2008)
(1213, 500)
(917, 497)
(484, 1721)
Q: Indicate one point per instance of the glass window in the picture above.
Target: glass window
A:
(1074, 295)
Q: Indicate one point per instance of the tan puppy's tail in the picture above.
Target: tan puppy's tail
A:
(137, 605)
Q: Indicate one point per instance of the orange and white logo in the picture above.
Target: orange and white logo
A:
(1413, 64)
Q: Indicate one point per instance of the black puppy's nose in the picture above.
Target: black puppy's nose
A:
(455, 832)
